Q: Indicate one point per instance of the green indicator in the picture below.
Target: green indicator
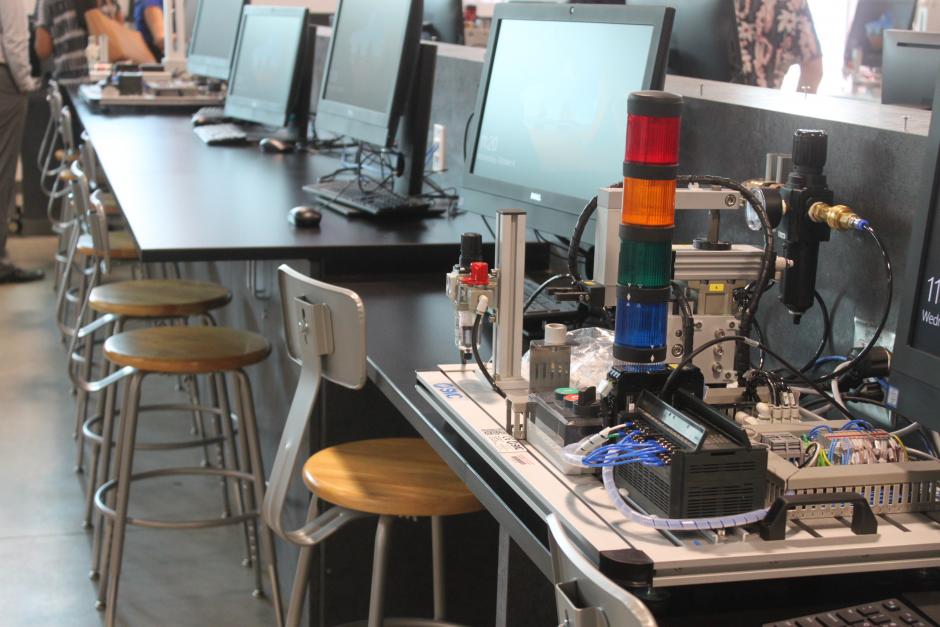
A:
(645, 264)
(561, 393)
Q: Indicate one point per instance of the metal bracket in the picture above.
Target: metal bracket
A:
(257, 285)
(316, 329)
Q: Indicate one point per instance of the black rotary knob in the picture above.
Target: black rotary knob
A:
(809, 149)
(471, 249)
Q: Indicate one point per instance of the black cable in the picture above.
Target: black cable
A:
(475, 349)
(827, 333)
(805, 462)
(685, 310)
(753, 344)
(466, 132)
(767, 259)
(541, 288)
(763, 340)
(575, 244)
(889, 274)
(488, 227)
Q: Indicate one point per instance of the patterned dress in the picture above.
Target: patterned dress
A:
(774, 34)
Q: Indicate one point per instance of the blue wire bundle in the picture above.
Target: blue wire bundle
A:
(626, 451)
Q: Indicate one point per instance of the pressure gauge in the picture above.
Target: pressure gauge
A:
(773, 202)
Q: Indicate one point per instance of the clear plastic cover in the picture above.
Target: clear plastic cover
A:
(591, 356)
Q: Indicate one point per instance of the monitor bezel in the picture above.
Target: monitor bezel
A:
(912, 367)
(373, 127)
(549, 211)
(209, 66)
(250, 109)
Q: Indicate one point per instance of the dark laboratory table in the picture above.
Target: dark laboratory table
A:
(186, 201)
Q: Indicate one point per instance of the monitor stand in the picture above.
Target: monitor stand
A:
(412, 136)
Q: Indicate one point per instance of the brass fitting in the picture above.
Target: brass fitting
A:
(838, 217)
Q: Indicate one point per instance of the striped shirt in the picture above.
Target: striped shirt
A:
(69, 38)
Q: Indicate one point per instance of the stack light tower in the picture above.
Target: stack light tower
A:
(650, 168)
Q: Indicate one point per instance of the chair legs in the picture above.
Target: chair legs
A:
(112, 498)
(379, 572)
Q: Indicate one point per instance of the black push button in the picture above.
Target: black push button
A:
(830, 620)
(892, 605)
(909, 618)
(868, 610)
(879, 619)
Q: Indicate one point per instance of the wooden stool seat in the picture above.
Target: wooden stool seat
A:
(186, 350)
(60, 156)
(121, 244)
(392, 477)
(158, 298)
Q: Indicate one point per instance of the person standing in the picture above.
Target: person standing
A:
(61, 33)
(15, 82)
(774, 35)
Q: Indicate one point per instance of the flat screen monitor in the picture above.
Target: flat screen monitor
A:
(266, 64)
(915, 370)
(213, 39)
(371, 61)
(551, 113)
(704, 42)
(872, 18)
(910, 68)
(443, 21)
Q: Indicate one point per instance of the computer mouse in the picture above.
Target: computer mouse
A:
(270, 144)
(201, 120)
(305, 217)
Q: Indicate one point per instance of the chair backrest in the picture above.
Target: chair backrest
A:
(325, 328)
(66, 134)
(584, 597)
(91, 214)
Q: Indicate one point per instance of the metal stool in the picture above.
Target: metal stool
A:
(156, 299)
(325, 327)
(194, 350)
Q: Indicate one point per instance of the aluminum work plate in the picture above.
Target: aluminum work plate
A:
(811, 547)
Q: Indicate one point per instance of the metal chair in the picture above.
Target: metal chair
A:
(583, 595)
(325, 329)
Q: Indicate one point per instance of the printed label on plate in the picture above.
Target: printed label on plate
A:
(502, 441)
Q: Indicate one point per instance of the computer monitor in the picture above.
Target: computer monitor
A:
(272, 68)
(704, 42)
(213, 39)
(911, 67)
(915, 370)
(369, 68)
(443, 21)
(551, 112)
(872, 18)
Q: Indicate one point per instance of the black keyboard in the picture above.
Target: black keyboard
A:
(888, 613)
(545, 306)
(346, 197)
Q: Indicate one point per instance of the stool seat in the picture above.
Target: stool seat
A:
(121, 244)
(391, 476)
(110, 203)
(186, 350)
(60, 156)
(158, 298)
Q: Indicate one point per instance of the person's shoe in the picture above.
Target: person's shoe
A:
(13, 274)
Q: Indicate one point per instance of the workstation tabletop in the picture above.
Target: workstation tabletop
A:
(186, 201)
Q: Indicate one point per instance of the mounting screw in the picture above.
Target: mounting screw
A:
(731, 324)
(731, 200)
(719, 333)
(678, 332)
(717, 369)
(677, 350)
(727, 375)
(698, 325)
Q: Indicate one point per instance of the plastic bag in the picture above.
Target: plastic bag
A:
(591, 356)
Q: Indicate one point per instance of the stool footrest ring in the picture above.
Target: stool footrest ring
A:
(185, 524)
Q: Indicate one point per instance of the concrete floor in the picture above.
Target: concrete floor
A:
(170, 577)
